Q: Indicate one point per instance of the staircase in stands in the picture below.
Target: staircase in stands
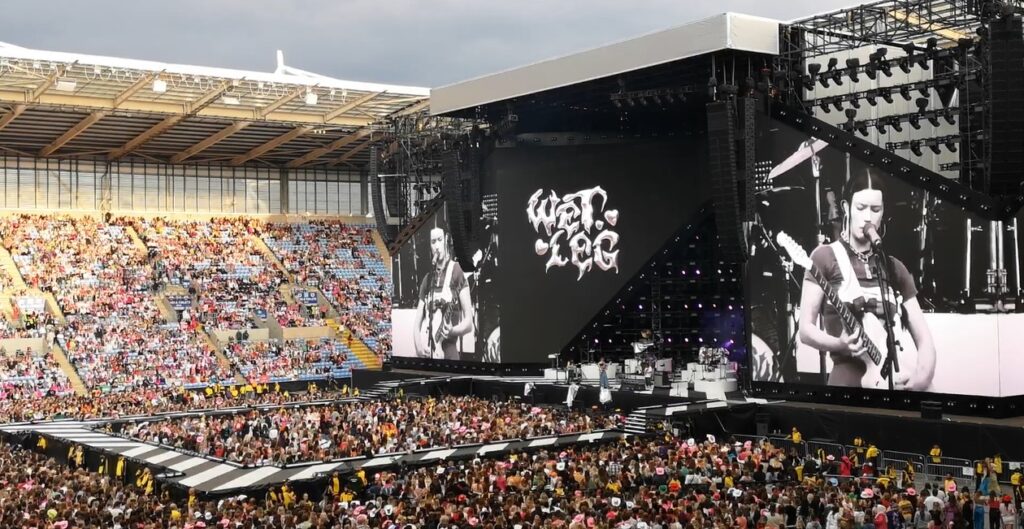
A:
(362, 352)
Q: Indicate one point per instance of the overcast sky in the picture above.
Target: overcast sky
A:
(414, 42)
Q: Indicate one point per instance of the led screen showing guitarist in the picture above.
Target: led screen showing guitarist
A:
(444, 312)
(846, 271)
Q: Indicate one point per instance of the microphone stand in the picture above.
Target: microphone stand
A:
(891, 364)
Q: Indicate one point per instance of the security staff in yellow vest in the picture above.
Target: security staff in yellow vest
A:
(936, 454)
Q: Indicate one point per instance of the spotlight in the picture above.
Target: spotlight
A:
(915, 121)
(855, 103)
(850, 115)
(872, 97)
(837, 76)
(905, 92)
(814, 69)
(862, 128)
(915, 147)
(933, 118)
(852, 65)
(838, 103)
(823, 105)
(923, 90)
(886, 94)
(934, 146)
(796, 77)
(921, 103)
(894, 122)
(948, 114)
(880, 125)
(950, 144)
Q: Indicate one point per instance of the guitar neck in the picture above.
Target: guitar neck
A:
(850, 322)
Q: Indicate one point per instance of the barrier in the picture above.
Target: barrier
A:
(898, 460)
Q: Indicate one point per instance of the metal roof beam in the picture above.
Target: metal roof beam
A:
(351, 105)
(262, 113)
(135, 87)
(330, 147)
(354, 151)
(72, 133)
(412, 109)
(7, 118)
(41, 89)
(212, 140)
(191, 108)
(270, 145)
(240, 113)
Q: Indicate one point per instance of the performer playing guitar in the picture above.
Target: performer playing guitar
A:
(444, 311)
(847, 265)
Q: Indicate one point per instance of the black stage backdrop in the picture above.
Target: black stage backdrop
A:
(623, 199)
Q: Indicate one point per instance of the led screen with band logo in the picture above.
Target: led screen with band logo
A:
(815, 287)
(577, 223)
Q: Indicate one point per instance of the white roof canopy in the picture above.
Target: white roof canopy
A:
(728, 31)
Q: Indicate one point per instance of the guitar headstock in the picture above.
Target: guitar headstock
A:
(793, 248)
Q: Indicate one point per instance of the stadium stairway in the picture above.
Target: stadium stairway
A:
(11, 268)
(636, 423)
(136, 240)
(362, 352)
(166, 310)
(218, 351)
(269, 255)
(383, 249)
(51, 304)
(65, 365)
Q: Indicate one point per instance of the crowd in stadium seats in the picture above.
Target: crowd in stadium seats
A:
(275, 361)
(296, 315)
(219, 262)
(114, 335)
(362, 428)
(342, 260)
(27, 375)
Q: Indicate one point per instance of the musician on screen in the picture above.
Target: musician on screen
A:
(854, 335)
(444, 312)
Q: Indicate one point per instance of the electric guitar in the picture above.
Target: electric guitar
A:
(868, 326)
(438, 317)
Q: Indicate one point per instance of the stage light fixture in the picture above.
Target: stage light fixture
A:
(886, 94)
(814, 69)
(880, 125)
(850, 115)
(934, 146)
(852, 64)
(905, 92)
(823, 105)
(894, 122)
(872, 97)
(922, 104)
(838, 103)
(915, 121)
(862, 128)
(915, 147)
(933, 118)
(948, 114)
(836, 75)
(950, 145)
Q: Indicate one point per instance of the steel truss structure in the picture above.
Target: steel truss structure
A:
(955, 31)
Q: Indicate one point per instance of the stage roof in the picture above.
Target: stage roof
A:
(67, 105)
(728, 31)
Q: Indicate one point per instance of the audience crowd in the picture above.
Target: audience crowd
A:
(114, 336)
(342, 260)
(277, 361)
(27, 375)
(350, 429)
(633, 483)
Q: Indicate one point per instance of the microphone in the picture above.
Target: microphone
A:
(872, 234)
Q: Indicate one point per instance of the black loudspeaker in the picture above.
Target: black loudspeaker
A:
(931, 409)
(724, 176)
(387, 232)
(763, 421)
(1006, 86)
(665, 391)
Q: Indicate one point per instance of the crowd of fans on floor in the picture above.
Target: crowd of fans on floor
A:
(276, 360)
(350, 429)
(633, 483)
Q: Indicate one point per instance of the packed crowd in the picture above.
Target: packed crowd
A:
(352, 429)
(276, 361)
(635, 483)
(27, 375)
(115, 336)
(297, 315)
(343, 262)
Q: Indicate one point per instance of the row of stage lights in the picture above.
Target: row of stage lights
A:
(877, 62)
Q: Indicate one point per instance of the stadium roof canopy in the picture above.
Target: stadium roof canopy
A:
(69, 105)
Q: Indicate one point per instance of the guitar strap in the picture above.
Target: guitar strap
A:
(849, 288)
(446, 288)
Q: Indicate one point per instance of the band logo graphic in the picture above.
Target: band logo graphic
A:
(577, 229)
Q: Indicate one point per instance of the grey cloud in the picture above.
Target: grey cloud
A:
(426, 43)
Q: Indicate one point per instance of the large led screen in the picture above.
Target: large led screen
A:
(824, 304)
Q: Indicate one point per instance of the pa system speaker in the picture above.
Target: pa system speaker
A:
(931, 409)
